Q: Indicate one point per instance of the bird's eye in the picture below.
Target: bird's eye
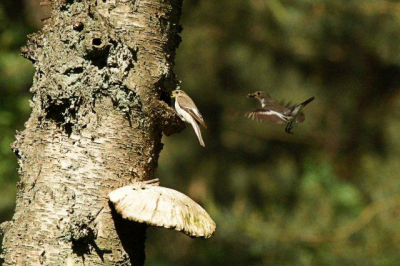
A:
(258, 93)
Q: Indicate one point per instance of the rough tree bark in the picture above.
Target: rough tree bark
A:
(103, 76)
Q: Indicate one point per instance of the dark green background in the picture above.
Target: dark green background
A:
(327, 195)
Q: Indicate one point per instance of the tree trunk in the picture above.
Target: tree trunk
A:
(103, 74)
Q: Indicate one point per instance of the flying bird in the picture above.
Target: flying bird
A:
(275, 113)
(188, 112)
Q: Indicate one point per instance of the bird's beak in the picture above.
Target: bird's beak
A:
(173, 95)
(251, 95)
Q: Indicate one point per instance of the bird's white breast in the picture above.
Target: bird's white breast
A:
(179, 110)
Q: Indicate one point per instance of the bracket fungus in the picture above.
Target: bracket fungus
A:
(147, 202)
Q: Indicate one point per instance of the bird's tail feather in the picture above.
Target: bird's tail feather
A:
(307, 101)
(297, 109)
(198, 133)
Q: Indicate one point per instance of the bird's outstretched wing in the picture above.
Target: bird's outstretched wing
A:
(267, 115)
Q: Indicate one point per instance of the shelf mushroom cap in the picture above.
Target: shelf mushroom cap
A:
(162, 207)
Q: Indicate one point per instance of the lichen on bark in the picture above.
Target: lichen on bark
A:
(99, 108)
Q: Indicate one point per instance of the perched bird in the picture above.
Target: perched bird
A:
(275, 113)
(188, 112)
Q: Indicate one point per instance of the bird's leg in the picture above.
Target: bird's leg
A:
(289, 127)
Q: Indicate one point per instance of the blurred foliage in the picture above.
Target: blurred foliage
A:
(15, 79)
(327, 195)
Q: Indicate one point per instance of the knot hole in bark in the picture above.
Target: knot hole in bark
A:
(97, 49)
(166, 97)
(97, 43)
(61, 113)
